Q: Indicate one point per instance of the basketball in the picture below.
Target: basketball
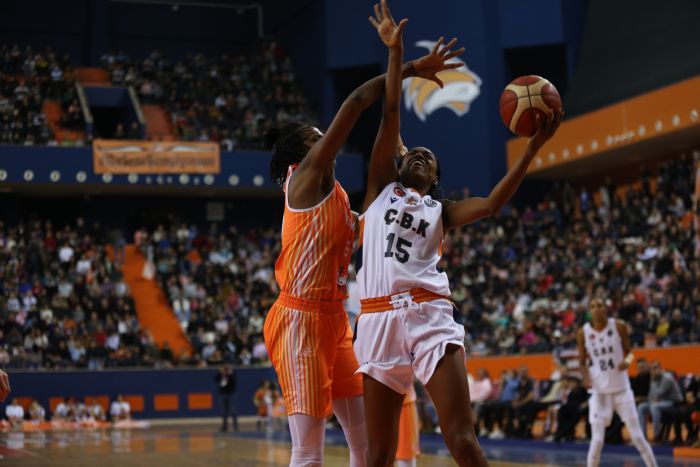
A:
(523, 99)
(695, 417)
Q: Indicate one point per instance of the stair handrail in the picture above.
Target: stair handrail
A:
(85, 109)
(136, 103)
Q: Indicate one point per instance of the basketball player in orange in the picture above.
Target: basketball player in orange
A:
(408, 447)
(306, 331)
(406, 326)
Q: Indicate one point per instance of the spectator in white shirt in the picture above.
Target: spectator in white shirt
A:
(113, 341)
(480, 391)
(15, 413)
(83, 266)
(62, 411)
(65, 254)
(120, 409)
(37, 413)
(95, 411)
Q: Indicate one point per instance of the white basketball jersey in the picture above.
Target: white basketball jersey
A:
(400, 238)
(605, 354)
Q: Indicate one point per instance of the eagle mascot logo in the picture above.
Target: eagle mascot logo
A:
(462, 86)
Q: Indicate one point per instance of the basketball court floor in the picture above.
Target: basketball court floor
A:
(181, 446)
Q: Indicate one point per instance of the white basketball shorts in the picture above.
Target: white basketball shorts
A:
(601, 406)
(393, 346)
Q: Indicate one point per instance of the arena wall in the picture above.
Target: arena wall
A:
(681, 359)
(193, 393)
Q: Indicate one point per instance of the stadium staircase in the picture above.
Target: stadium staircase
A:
(54, 111)
(88, 76)
(152, 307)
(158, 124)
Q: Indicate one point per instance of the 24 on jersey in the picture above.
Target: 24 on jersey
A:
(603, 357)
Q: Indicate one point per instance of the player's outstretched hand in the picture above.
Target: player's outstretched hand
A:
(4, 386)
(546, 127)
(389, 32)
(623, 366)
(428, 66)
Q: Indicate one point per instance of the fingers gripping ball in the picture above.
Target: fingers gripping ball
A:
(523, 99)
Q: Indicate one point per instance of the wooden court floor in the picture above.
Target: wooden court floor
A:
(203, 445)
(170, 447)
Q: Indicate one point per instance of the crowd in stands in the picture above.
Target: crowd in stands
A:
(27, 78)
(220, 285)
(229, 99)
(521, 279)
(518, 406)
(64, 302)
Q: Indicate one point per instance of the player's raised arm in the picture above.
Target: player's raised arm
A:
(314, 169)
(382, 166)
(458, 213)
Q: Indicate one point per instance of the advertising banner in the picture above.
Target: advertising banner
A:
(155, 157)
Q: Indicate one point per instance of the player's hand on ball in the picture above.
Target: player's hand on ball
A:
(384, 23)
(546, 127)
(623, 366)
(428, 66)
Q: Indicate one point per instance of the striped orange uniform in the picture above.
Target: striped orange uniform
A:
(307, 333)
(409, 428)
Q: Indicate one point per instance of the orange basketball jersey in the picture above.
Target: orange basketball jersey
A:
(316, 247)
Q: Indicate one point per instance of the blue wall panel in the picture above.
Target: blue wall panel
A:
(26, 165)
(530, 23)
(43, 385)
(351, 40)
(325, 36)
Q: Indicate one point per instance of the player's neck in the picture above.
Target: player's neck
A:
(599, 325)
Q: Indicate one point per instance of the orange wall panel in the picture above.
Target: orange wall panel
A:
(681, 359)
(163, 402)
(136, 402)
(199, 401)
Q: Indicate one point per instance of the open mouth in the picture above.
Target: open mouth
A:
(417, 163)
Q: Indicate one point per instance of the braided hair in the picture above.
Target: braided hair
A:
(288, 148)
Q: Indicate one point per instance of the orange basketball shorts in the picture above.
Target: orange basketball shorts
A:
(310, 346)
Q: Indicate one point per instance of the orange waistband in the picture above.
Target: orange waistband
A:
(392, 302)
(305, 304)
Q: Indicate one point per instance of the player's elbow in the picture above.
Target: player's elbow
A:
(357, 100)
(489, 208)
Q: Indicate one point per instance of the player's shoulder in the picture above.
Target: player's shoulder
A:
(620, 325)
(391, 193)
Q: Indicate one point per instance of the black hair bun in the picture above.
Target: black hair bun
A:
(270, 137)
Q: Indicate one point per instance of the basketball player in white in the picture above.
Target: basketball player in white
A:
(406, 326)
(604, 356)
